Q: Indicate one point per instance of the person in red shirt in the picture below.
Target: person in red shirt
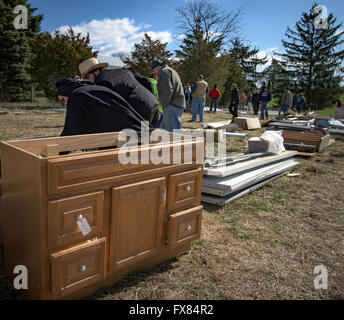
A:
(215, 95)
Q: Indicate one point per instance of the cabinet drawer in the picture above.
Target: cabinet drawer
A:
(77, 268)
(184, 227)
(63, 216)
(184, 190)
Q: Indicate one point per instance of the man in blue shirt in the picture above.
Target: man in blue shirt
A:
(264, 99)
(187, 94)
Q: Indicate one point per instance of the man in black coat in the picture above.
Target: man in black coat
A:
(136, 90)
(255, 102)
(234, 101)
(95, 109)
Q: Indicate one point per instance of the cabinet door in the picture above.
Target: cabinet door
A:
(137, 212)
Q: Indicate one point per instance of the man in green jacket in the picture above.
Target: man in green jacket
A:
(154, 81)
(286, 101)
(171, 95)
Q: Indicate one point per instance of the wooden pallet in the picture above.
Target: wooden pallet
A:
(320, 142)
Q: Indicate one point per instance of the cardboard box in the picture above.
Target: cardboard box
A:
(248, 123)
(257, 145)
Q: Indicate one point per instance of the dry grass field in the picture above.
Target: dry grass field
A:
(263, 246)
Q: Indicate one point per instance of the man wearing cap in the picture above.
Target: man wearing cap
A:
(136, 90)
(171, 95)
(199, 92)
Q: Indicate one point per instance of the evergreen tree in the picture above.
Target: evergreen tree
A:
(196, 55)
(278, 77)
(144, 54)
(15, 51)
(248, 60)
(58, 56)
(314, 56)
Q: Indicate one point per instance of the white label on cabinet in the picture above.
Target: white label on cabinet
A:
(84, 226)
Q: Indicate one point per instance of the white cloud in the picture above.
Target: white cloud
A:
(269, 53)
(113, 36)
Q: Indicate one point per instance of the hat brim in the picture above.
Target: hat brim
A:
(103, 65)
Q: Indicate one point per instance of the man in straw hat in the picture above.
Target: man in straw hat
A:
(92, 68)
(134, 89)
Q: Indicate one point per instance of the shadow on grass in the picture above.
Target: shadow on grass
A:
(337, 155)
(133, 280)
(211, 207)
(48, 127)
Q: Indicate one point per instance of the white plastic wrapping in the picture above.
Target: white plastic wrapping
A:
(274, 140)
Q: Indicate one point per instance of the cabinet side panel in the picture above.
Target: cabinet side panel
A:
(21, 216)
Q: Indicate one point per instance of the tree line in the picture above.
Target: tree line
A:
(312, 62)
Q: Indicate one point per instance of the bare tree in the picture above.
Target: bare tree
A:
(201, 15)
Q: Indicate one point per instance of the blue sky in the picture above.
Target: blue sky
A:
(115, 26)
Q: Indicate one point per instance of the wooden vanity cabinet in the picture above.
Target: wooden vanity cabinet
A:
(139, 214)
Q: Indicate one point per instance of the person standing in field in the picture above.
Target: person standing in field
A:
(171, 95)
(264, 99)
(249, 102)
(215, 95)
(286, 102)
(339, 115)
(243, 100)
(234, 101)
(255, 102)
(300, 103)
(199, 93)
(187, 94)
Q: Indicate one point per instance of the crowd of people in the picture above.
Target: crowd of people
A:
(110, 100)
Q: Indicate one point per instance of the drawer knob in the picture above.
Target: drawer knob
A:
(83, 268)
(189, 228)
(188, 188)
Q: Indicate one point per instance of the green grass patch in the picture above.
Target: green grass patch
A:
(329, 112)
(258, 205)
(39, 102)
(279, 198)
(237, 232)
(291, 211)
(198, 244)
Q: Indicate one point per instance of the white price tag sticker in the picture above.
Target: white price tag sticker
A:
(84, 226)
